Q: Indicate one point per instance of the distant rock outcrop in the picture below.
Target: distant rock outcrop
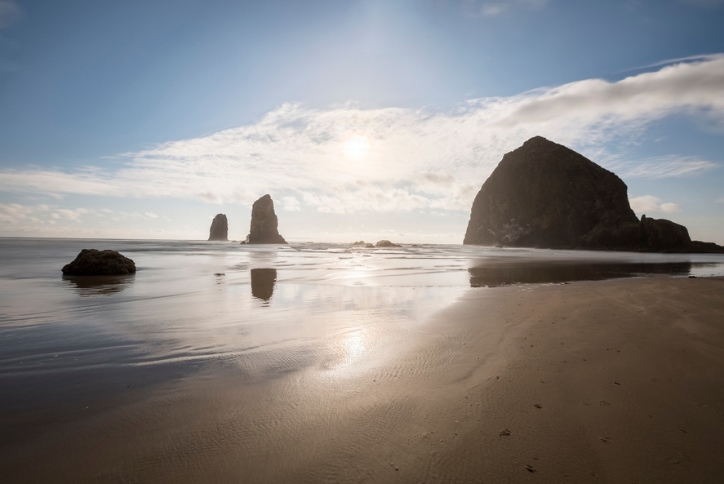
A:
(386, 243)
(92, 262)
(546, 195)
(219, 228)
(362, 243)
(264, 223)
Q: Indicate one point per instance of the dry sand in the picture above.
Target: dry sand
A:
(618, 381)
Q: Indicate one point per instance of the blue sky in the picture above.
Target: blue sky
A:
(362, 119)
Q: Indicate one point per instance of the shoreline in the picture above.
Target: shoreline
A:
(628, 374)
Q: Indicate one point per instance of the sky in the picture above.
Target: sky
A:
(363, 119)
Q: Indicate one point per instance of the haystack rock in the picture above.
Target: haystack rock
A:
(546, 195)
(92, 262)
(264, 223)
(219, 228)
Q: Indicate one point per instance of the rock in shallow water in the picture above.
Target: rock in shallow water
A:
(92, 262)
(386, 243)
(264, 223)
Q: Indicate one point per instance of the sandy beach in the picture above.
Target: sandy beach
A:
(364, 241)
(610, 381)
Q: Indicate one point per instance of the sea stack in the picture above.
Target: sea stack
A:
(264, 223)
(219, 229)
(548, 196)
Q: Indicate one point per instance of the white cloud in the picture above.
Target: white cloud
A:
(64, 213)
(670, 208)
(649, 204)
(13, 213)
(291, 204)
(685, 87)
(414, 159)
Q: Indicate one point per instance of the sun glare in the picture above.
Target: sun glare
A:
(357, 147)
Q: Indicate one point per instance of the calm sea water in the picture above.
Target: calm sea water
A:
(263, 310)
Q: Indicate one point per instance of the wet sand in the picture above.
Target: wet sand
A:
(611, 381)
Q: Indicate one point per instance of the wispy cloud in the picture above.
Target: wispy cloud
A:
(651, 204)
(11, 213)
(677, 60)
(492, 8)
(704, 3)
(662, 167)
(37, 215)
(410, 159)
(9, 12)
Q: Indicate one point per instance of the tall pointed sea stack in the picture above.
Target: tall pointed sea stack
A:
(546, 195)
(219, 228)
(264, 223)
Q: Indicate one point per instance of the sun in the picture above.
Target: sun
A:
(357, 147)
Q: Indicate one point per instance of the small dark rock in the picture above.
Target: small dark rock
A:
(92, 262)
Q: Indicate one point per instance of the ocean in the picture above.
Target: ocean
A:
(266, 308)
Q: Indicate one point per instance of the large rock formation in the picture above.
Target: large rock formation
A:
(546, 195)
(92, 262)
(219, 228)
(264, 223)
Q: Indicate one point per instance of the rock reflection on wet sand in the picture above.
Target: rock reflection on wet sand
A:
(87, 286)
(262, 283)
(504, 273)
